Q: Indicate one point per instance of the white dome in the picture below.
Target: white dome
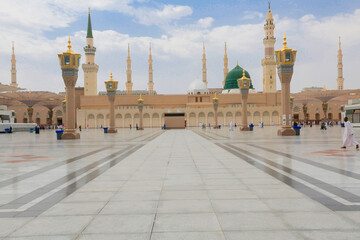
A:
(197, 86)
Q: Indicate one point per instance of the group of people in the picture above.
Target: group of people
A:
(349, 133)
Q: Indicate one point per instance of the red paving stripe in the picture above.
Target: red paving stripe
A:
(334, 153)
(28, 160)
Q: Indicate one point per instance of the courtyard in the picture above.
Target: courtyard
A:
(191, 184)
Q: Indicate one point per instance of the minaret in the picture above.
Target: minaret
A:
(268, 63)
(13, 68)
(89, 67)
(128, 84)
(204, 79)
(226, 69)
(340, 79)
(151, 82)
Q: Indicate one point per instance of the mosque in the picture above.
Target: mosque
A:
(92, 107)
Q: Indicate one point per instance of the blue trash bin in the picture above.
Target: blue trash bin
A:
(7, 130)
(59, 134)
(105, 129)
(297, 130)
(342, 124)
(31, 130)
(251, 126)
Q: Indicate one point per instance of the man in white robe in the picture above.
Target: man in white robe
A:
(349, 135)
(231, 126)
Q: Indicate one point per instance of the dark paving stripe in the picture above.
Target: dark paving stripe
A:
(318, 183)
(143, 135)
(47, 168)
(19, 202)
(207, 137)
(50, 201)
(153, 136)
(313, 163)
(219, 135)
(311, 193)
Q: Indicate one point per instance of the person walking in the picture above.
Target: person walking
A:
(349, 135)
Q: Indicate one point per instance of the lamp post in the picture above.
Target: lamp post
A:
(140, 106)
(69, 63)
(325, 109)
(285, 59)
(111, 86)
(244, 84)
(215, 104)
(64, 110)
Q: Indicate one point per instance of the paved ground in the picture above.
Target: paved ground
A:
(180, 184)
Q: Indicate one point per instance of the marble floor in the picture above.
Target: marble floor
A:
(188, 184)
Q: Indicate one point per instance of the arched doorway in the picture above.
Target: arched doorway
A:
(257, 118)
(330, 116)
(275, 118)
(266, 118)
(229, 118)
(202, 118)
(220, 118)
(127, 120)
(100, 120)
(146, 120)
(118, 120)
(136, 119)
(91, 120)
(155, 120)
(192, 119)
(238, 118)
(211, 118)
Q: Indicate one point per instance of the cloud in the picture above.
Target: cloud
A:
(44, 15)
(205, 22)
(150, 16)
(177, 52)
(250, 15)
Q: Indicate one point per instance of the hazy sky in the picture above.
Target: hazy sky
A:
(177, 30)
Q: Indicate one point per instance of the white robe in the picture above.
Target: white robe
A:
(349, 136)
(231, 126)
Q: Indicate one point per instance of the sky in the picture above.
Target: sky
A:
(177, 30)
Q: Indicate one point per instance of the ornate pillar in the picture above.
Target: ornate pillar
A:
(285, 59)
(50, 116)
(140, 106)
(244, 84)
(69, 62)
(244, 122)
(305, 108)
(291, 109)
(111, 87)
(30, 111)
(325, 109)
(216, 104)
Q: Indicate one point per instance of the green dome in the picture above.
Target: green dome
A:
(232, 77)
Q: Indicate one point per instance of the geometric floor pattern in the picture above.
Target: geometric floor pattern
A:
(188, 184)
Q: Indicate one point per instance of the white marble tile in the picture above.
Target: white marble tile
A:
(121, 224)
(200, 222)
(188, 236)
(59, 225)
(250, 221)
